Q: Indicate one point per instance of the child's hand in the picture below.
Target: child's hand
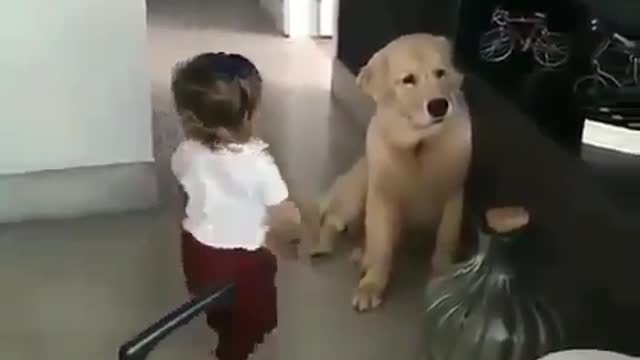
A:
(283, 249)
(283, 214)
(284, 220)
(284, 230)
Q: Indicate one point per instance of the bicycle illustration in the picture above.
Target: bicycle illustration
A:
(523, 34)
(611, 92)
(614, 46)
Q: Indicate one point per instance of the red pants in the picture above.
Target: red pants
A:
(253, 313)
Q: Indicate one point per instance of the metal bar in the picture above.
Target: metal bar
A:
(142, 344)
(628, 43)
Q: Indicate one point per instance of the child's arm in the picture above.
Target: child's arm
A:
(283, 217)
(183, 200)
(284, 229)
(275, 194)
(178, 168)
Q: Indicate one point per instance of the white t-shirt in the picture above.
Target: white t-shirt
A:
(229, 191)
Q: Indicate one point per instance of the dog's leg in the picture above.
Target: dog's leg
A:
(381, 230)
(448, 236)
(341, 209)
(327, 236)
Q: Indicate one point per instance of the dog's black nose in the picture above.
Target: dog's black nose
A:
(438, 107)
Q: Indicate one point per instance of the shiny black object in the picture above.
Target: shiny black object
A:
(482, 309)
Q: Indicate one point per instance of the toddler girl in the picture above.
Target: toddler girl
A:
(235, 197)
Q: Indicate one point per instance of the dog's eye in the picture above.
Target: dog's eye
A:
(439, 73)
(409, 79)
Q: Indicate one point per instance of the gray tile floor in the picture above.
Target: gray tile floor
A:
(76, 289)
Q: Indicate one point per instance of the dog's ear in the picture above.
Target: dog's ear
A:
(372, 76)
(444, 43)
(446, 49)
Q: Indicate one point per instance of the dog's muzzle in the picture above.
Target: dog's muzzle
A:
(439, 108)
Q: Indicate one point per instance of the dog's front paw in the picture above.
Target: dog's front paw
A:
(368, 295)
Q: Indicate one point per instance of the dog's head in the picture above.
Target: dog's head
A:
(413, 78)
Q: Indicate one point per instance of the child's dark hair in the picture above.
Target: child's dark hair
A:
(214, 94)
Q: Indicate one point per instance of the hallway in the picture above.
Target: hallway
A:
(76, 289)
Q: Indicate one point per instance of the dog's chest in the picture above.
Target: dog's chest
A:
(420, 198)
(427, 183)
(423, 209)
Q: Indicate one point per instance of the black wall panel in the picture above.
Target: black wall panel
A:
(364, 26)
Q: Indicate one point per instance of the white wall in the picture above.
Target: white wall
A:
(73, 88)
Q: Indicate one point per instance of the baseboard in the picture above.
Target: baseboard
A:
(68, 193)
(347, 94)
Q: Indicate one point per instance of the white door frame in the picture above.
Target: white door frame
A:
(303, 18)
(300, 18)
(327, 17)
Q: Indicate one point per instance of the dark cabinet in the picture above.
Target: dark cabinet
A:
(364, 26)
(545, 92)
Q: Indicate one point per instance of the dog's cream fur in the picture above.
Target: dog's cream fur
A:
(414, 167)
(341, 210)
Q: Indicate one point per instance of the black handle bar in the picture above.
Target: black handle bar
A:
(142, 344)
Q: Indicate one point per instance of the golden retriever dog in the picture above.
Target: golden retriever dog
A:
(418, 147)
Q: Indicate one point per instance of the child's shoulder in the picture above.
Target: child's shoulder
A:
(184, 144)
(187, 150)
(256, 147)
(190, 146)
(261, 149)
(259, 146)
